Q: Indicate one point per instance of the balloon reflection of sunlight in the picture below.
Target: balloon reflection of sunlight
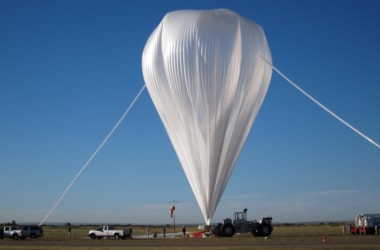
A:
(203, 72)
(93, 155)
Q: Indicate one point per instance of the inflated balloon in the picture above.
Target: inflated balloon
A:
(206, 75)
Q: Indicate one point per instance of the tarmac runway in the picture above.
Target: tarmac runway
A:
(195, 242)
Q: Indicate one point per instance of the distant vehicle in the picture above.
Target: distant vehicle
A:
(366, 224)
(241, 225)
(31, 231)
(109, 232)
(10, 232)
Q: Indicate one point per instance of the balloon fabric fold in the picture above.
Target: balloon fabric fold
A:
(206, 77)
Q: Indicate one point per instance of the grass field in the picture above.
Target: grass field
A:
(286, 230)
(287, 236)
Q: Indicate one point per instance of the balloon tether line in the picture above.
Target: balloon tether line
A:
(322, 106)
(93, 155)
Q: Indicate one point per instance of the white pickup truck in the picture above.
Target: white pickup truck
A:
(109, 232)
(10, 232)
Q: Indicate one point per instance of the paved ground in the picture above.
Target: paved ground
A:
(194, 242)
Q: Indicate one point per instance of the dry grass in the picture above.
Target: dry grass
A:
(280, 231)
(283, 237)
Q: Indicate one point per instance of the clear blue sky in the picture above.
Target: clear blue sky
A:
(69, 69)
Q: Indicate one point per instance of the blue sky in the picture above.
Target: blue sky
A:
(69, 69)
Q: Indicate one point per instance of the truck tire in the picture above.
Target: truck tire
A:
(263, 229)
(116, 236)
(266, 229)
(92, 236)
(15, 236)
(228, 230)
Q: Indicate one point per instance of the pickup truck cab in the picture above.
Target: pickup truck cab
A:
(10, 232)
(109, 232)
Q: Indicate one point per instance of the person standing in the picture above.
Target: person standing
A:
(69, 229)
(130, 231)
(184, 231)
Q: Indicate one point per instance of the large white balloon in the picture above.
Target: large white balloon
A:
(205, 73)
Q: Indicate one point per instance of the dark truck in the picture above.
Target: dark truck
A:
(31, 231)
(240, 224)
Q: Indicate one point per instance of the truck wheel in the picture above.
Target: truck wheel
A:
(266, 230)
(92, 236)
(228, 230)
(262, 230)
(33, 236)
(116, 236)
(15, 236)
(217, 231)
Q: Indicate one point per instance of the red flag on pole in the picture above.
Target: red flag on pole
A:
(172, 208)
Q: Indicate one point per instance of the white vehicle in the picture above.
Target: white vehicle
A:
(109, 232)
(366, 224)
(10, 232)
